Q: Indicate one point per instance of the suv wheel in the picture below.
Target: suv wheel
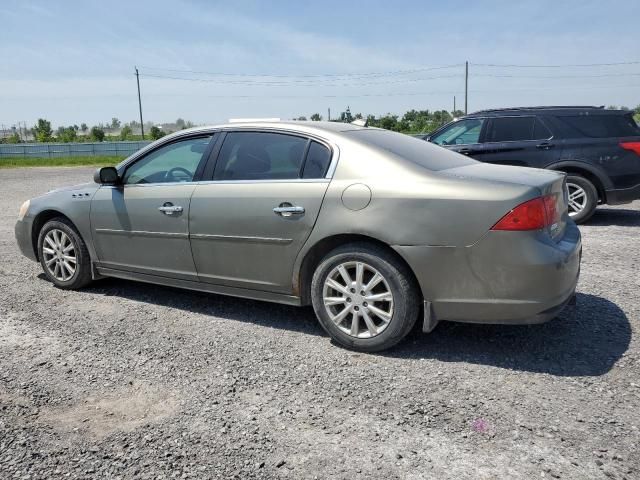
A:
(364, 298)
(63, 254)
(583, 198)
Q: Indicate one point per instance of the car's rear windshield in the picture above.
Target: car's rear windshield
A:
(418, 151)
(601, 126)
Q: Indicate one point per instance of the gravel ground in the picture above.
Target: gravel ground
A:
(131, 380)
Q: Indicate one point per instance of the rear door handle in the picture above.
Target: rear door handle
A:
(545, 146)
(465, 151)
(287, 210)
(169, 208)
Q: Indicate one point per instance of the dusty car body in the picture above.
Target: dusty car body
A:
(370, 226)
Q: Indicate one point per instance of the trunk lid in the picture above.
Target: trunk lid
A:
(543, 183)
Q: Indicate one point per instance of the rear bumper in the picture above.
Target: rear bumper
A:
(505, 278)
(624, 195)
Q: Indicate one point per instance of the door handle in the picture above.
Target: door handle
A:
(287, 210)
(545, 146)
(465, 151)
(169, 208)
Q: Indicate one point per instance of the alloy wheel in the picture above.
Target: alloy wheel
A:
(358, 299)
(577, 199)
(59, 255)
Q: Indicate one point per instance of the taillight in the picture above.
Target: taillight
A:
(535, 214)
(633, 146)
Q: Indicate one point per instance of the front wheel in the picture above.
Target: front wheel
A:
(364, 297)
(583, 198)
(63, 254)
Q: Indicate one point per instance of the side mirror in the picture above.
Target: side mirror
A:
(106, 176)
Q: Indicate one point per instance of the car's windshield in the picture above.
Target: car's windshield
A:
(415, 150)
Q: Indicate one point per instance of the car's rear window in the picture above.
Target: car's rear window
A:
(418, 151)
(601, 126)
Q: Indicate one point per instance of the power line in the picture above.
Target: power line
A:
(320, 75)
(604, 75)
(293, 82)
(568, 65)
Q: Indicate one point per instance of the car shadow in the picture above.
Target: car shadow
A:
(615, 216)
(585, 340)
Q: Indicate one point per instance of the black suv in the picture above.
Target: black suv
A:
(598, 149)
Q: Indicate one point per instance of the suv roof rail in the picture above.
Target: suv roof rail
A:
(544, 107)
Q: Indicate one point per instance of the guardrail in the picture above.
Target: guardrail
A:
(52, 150)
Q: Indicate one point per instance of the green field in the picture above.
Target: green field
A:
(17, 162)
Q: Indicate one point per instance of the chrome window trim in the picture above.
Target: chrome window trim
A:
(207, 182)
(177, 136)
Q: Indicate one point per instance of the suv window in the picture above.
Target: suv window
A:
(260, 156)
(511, 129)
(175, 162)
(463, 132)
(601, 126)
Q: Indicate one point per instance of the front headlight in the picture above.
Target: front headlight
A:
(24, 209)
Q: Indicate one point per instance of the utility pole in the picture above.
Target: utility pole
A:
(139, 103)
(466, 85)
(454, 104)
(328, 114)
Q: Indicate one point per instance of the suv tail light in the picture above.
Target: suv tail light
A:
(535, 214)
(633, 146)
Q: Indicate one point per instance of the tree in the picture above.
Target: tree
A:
(97, 134)
(126, 132)
(13, 138)
(84, 127)
(180, 123)
(115, 123)
(42, 131)
(156, 133)
(66, 134)
(316, 117)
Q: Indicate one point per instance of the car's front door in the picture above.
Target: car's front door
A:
(250, 221)
(523, 141)
(142, 224)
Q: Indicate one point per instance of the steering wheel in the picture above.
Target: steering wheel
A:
(170, 175)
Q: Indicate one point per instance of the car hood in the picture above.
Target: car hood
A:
(89, 187)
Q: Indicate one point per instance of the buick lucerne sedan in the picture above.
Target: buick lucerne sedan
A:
(373, 228)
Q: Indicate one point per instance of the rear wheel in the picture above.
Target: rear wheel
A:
(365, 298)
(583, 198)
(63, 254)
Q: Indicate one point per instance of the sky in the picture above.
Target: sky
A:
(208, 61)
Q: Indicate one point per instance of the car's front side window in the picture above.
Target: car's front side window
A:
(260, 156)
(175, 162)
(463, 132)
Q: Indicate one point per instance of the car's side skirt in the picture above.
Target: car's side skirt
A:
(200, 286)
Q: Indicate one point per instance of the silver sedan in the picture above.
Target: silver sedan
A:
(375, 229)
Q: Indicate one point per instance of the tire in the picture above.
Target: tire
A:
(587, 198)
(389, 319)
(54, 248)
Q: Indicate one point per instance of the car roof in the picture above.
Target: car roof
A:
(292, 125)
(548, 110)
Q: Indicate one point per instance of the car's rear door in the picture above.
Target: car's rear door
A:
(141, 225)
(248, 223)
(521, 140)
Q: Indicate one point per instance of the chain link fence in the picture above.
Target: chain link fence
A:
(53, 150)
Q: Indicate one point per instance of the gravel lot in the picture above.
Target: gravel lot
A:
(131, 380)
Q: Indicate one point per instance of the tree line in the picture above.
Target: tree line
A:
(412, 121)
(42, 132)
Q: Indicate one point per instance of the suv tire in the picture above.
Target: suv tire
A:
(585, 198)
